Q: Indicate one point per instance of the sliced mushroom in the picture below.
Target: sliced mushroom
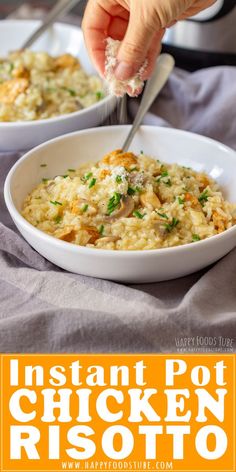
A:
(160, 228)
(125, 210)
(150, 200)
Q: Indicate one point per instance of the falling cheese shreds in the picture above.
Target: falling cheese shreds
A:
(120, 87)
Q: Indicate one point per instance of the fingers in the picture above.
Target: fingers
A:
(95, 26)
(135, 46)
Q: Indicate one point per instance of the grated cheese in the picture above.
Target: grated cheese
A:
(115, 86)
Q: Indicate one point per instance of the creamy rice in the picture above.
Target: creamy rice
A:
(34, 85)
(129, 202)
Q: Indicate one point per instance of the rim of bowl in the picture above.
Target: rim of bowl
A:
(55, 119)
(108, 252)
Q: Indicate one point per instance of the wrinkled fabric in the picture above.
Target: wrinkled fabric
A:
(45, 309)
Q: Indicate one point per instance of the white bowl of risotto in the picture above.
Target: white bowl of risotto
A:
(49, 90)
(163, 210)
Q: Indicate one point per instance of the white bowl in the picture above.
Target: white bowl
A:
(202, 154)
(59, 39)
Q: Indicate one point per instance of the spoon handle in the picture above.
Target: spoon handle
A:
(61, 8)
(164, 67)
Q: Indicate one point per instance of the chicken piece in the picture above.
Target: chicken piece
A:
(10, 89)
(120, 158)
(66, 234)
(150, 200)
(92, 232)
(21, 73)
(198, 218)
(203, 181)
(193, 201)
(66, 61)
(219, 222)
(104, 173)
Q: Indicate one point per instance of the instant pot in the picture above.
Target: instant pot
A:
(207, 39)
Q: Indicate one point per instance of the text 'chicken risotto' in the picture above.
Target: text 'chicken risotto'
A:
(129, 202)
(35, 85)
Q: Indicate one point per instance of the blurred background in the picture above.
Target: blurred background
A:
(9, 6)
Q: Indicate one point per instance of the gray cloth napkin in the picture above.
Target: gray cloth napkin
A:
(45, 309)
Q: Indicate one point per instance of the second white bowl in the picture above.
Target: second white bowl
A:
(59, 39)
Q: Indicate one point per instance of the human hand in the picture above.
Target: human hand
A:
(139, 24)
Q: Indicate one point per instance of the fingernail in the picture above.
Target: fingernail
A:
(124, 71)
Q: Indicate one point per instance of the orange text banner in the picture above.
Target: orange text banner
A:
(117, 412)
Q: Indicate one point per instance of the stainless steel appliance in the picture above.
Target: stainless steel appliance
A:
(205, 40)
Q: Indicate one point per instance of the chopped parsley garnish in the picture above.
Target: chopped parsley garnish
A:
(55, 203)
(163, 215)
(168, 183)
(170, 226)
(92, 183)
(196, 238)
(99, 95)
(118, 179)
(141, 152)
(71, 170)
(58, 219)
(65, 176)
(138, 214)
(113, 203)
(181, 201)
(134, 169)
(45, 180)
(203, 197)
(131, 191)
(101, 230)
(86, 177)
(85, 207)
(43, 165)
(70, 91)
(138, 189)
(164, 174)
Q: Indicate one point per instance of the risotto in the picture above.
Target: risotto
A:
(129, 202)
(34, 85)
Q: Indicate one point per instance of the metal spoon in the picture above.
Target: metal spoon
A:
(61, 8)
(164, 67)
